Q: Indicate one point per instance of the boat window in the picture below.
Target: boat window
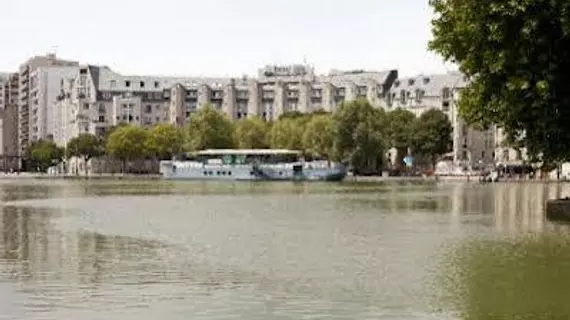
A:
(229, 173)
(241, 159)
(205, 173)
(228, 159)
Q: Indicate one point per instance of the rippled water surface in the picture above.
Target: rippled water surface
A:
(158, 250)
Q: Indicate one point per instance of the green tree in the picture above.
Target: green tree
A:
(432, 135)
(318, 136)
(287, 133)
(359, 135)
(252, 133)
(43, 154)
(164, 141)
(128, 143)
(210, 129)
(516, 56)
(400, 132)
(85, 146)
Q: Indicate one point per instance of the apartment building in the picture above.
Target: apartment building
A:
(29, 103)
(424, 92)
(277, 90)
(9, 159)
(99, 98)
(48, 82)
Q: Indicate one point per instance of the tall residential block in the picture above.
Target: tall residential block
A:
(9, 159)
(30, 103)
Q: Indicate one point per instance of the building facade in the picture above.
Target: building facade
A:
(9, 160)
(424, 92)
(278, 90)
(48, 82)
(505, 154)
(30, 104)
(97, 98)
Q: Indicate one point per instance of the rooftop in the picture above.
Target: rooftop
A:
(247, 152)
(431, 84)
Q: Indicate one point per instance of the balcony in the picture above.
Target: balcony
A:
(193, 94)
(243, 95)
(293, 94)
(217, 95)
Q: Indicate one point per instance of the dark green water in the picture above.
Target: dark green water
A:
(158, 250)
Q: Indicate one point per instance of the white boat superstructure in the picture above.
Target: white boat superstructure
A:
(251, 164)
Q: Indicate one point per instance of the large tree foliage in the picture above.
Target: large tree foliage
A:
(128, 143)
(359, 135)
(400, 131)
(287, 133)
(164, 141)
(432, 135)
(210, 129)
(43, 154)
(516, 55)
(85, 146)
(318, 135)
(251, 133)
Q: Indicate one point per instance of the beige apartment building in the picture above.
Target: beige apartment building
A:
(9, 159)
(30, 102)
(279, 89)
(98, 98)
(424, 92)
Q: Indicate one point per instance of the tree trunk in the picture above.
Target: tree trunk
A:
(85, 160)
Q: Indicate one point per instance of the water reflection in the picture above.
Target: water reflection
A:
(144, 250)
(59, 272)
(523, 271)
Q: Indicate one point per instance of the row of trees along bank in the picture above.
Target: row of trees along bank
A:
(357, 133)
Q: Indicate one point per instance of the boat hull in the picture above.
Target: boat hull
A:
(182, 170)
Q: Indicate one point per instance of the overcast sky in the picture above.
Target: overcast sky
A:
(221, 37)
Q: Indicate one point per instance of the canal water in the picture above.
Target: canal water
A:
(162, 250)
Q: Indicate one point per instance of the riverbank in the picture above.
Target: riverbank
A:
(357, 179)
(104, 176)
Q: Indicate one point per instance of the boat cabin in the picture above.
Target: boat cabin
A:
(247, 156)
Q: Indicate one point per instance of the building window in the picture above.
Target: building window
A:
(113, 84)
(142, 84)
(148, 108)
(446, 93)
(156, 84)
(445, 106)
(102, 108)
(86, 106)
(127, 84)
(101, 119)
